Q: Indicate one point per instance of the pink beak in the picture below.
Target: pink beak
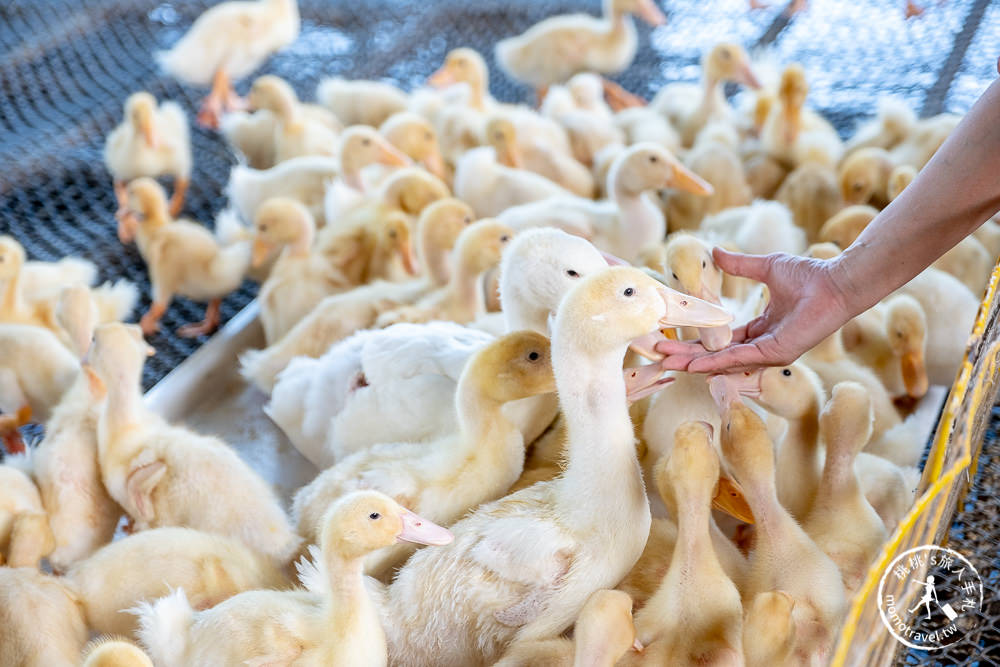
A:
(727, 390)
(419, 530)
(644, 381)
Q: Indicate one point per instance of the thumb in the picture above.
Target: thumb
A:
(754, 267)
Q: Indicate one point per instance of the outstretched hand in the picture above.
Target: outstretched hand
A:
(806, 306)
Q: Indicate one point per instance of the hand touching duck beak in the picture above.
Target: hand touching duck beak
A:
(729, 389)
(643, 381)
(419, 530)
(689, 311)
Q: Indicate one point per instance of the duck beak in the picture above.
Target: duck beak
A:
(914, 374)
(126, 227)
(728, 389)
(260, 252)
(392, 156)
(441, 78)
(637, 646)
(746, 76)
(689, 311)
(419, 530)
(148, 130)
(408, 256)
(512, 156)
(729, 499)
(688, 181)
(435, 164)
(644, 381)
(650, 13)
(645, 346)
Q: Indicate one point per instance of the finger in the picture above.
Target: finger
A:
(734, 357)
(677, 362)
(755, 267)
(739, 335)
(757, 327)
(687, 347)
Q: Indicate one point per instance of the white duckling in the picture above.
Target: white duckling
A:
(490, 187)
(784, 557)
(340, 315)
(307, 178)
(112, 652)
(760, 229)
(522, 568)
(769, 630)
(81, 515)
(627, 223)
(152, 140)
(602, 635)
(361, 102)
(183, 258)
(25, 536)
(226, 43)
(841, 521)
(478, 248)
(164, 475)
(557, 167)
(557, 48)
(695, 618)
(335, 623)
(298, 130)
(445, 478)
(334, 407)
(152, 563)
(689, 107)
(42, 624)
(891, 339)
(301, 277)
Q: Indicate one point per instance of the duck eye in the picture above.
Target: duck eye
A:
(262, 228)
(787, 372)
(392, 234)
(653, 158)
(533, 356)
(504, 238)
(572, 274)
(858, 187)
(428, 136)
(467, 220)
(629, 291)
(704, 264)
(366, 142)
(374, 516)
(675, 276)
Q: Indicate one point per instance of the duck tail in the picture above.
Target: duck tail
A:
(163, 627)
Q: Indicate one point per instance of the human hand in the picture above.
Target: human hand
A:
(806, 306)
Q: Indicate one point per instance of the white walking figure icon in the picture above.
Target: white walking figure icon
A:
(930, 594)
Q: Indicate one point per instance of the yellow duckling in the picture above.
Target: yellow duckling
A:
(301, 277)
(335, 623)
(695, 618)
(114, 652)
(151, 141)
(415, 137)
(847, 224)
(340, 315)
(557, 48)
(784, 557)
(811, 192)
(462, 300)
(842, 522)
(407, 190)
(602, 635)
(490, 187)
(791, 132)
(769, 631)
(183, 259)
(298, 130)
(226, 43)
(164, 475)
(445, 478)
(689, 107)
(361, 102)
(899, 178)
(367, 252)
(42, 624)
(25, 535)
(557, 167)
(152, 563)
(864, 177)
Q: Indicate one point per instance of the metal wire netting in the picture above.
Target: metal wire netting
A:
(66, 68)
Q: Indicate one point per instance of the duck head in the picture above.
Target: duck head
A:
(279, 222)
(466, 66)
(501, 135)
(729, 62)
(906, 329)
(604, 630)
(140, 110)
(644, 9)
(647, 166)
(438, 227)
(360, 146)
(899, 179)
(791, 392)
(480, 245)
(12, 258)
(514, 366)
(116, 357)
(76, 313)
(147, 208)
(392, 238)
(414, 136)
(847, 420)
(273, 94)
(411, 189)
(792, 91)
(859, 174)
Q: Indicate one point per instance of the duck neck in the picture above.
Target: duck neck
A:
(486, 432)
(301, 246)
(520, 313)
(804, 431)
(592, 654)
(123, 409)
(641, 220)
(709, 95)
(433, 257)
(838, 470)
(467, 291)
(693, 518)
(602, 476)
(616, 19)
(347, 605)
(762, 497)
(12, 302)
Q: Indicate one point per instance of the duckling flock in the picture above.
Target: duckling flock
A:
(447, 343)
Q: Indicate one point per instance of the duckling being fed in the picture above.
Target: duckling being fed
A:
(183, 259)
(151, 141)
(444, 479)
(335, 623)
(226, 43)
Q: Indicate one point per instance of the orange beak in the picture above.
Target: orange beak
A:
(688, 181)
(914, 374)
(435, 164)
(392, 156)
(650, 13)
(126, 227)
(746, 76)
(729, 499)
(511, 156)
(148, 130)
(260, 253)
(409, 258)
(441, 78)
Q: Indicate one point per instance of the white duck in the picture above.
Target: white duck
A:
(226, 43)
(557, 48)
(335, 406)
(445, 478)
(151, 141)
(335, 623)
(627, 223)
(522, 568)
